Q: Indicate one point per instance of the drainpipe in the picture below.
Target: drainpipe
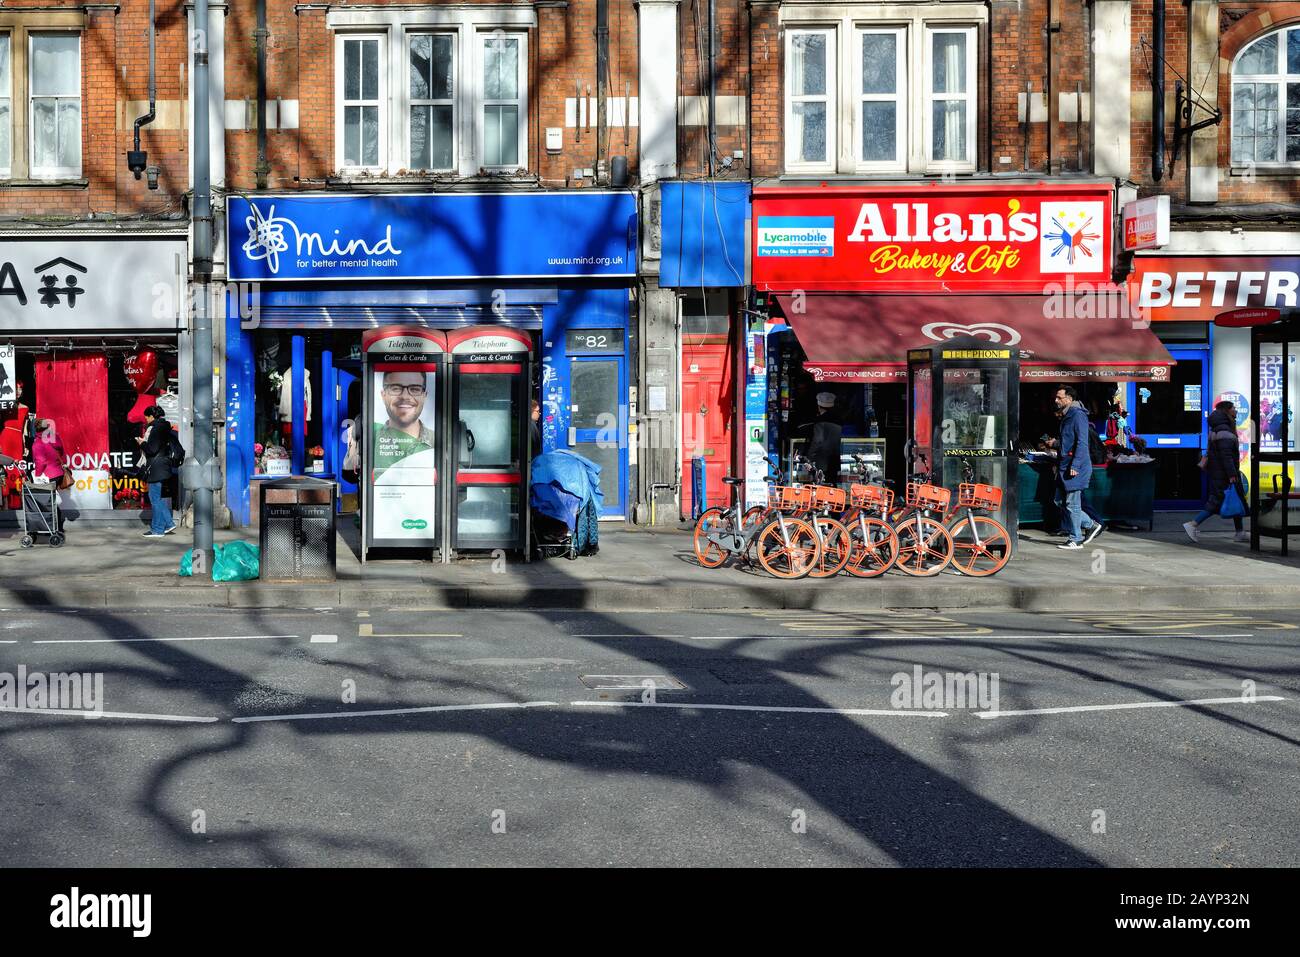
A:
(713, 90)
(260, 35)
(138, 166)
(1158, 92)
(1053, 25)
(602, 83)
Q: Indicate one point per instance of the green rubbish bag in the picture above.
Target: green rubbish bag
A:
(236, 562)
(187, 564)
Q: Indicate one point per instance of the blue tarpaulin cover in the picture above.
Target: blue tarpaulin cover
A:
(563, 484)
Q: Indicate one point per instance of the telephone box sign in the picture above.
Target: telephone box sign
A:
(932, 237)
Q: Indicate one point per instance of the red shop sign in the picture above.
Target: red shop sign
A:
(932, 237)
(1201, 288)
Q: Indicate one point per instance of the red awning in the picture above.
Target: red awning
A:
(865, 338)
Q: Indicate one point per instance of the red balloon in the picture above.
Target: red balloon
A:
(141, 370)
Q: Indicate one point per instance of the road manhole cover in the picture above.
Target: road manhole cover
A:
(631, 682)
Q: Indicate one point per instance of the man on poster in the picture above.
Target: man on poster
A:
(402, 434)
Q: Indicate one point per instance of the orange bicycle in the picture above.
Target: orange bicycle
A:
(873, 543)
(981, 544)
(784, 546)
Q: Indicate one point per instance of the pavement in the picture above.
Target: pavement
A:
(373, 736)
(116, 568)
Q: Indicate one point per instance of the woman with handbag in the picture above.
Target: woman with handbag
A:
(49, 460)
(1222, 465)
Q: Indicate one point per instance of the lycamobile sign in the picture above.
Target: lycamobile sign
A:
(539, 234)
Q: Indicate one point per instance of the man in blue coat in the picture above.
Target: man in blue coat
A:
(1074, 470)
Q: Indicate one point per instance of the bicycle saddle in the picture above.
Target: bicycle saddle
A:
(732, 480)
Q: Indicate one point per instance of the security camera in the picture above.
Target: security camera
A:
(137, 161)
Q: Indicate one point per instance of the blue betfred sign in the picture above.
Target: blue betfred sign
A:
(568, 234)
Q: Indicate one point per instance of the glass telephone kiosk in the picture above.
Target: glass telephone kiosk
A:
(963, 408)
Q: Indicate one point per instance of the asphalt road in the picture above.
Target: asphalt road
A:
(409, 738)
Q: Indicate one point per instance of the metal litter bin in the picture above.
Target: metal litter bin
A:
(297, 529)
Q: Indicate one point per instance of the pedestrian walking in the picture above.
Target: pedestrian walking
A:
(535, 427)
(159, 445)
(1074, 471)
(1222, 464)
(49, 460)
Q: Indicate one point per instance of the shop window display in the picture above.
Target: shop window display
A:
(95, 398)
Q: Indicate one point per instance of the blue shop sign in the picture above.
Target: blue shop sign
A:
(567, 234)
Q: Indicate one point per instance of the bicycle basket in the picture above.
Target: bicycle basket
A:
(928, 496)
(830, 497)
(796, 499)
(971, 495)
(875, 498)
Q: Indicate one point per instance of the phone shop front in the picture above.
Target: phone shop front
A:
(480, 303)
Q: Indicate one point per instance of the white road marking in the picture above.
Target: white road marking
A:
(114, 714)
(324, 639)
(625, 634)
(103, 641)
(1237, 699)
(757, 707)
(10, 642)
(391, 711)
(1063, 634)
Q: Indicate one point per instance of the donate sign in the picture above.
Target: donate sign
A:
(932, 238)
(439, 236)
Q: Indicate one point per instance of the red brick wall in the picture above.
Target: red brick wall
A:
(112, 40)
(732, 71)
(1239, 23)
(1012, 51)
(300, 65)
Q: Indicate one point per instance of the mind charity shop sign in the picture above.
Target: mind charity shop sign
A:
(932, 238)
(544, 234)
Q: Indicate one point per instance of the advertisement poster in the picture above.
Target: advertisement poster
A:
(8, 378)
(403, 449)
(1271, 383)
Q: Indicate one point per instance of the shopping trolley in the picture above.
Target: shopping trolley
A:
(39, 514)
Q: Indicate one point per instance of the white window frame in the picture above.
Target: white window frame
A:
(793, 163)
(7, 91)
(456, 96)
(340, 104)
(900, 97)
(970, 97)
(1278, 80)
(51, 172)
(847, 20)
(478, 97)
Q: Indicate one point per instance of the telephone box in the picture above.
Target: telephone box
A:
(402, 389)
(490, 448)
(963, 409)
(447, 449)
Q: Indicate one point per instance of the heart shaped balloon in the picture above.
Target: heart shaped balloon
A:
(141, 370)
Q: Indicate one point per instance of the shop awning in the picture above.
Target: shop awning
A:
(865, 338)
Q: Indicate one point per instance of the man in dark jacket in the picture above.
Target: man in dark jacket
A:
(156, 444)
(1222, 469)
(1074, 471)
(824, 439)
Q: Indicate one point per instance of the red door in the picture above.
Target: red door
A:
(708, 404)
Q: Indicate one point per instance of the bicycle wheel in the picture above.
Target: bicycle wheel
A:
(711, 521)
(925, 551)
(794, 561)
(874, 552)
(987, 556)
(836, 548)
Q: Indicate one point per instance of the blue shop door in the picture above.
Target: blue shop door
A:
(347, 385)
(598, 422)
(1171, 417)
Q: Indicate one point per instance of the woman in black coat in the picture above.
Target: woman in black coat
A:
(156, 446)
(1222, 469)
